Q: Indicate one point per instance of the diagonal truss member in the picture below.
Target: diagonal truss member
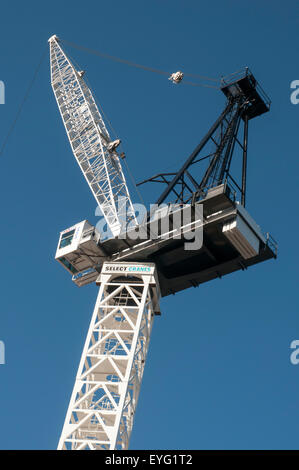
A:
(103, 403)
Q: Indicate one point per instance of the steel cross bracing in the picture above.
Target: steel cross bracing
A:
(103, 403)
(185, 185)
(245, 100)
(89, 140)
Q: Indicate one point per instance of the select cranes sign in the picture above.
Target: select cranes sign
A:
(127, 269)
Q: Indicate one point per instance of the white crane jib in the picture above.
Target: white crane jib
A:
(92, 146)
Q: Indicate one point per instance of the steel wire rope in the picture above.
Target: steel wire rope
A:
(144, 67)
(14, 122)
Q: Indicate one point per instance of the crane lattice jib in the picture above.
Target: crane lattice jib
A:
(90, 140)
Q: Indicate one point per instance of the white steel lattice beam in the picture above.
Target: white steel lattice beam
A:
(104, 399)
(90, 140)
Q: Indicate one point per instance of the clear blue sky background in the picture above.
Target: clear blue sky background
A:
(218, 374)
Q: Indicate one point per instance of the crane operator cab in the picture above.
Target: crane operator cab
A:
(78, 251)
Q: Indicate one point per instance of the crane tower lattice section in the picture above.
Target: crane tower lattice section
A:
(104, 399)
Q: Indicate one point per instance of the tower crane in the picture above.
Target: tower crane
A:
(143, 262)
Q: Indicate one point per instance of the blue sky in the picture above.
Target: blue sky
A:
(218, 374)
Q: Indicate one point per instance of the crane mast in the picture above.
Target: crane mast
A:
(91, 144)
(104, 399)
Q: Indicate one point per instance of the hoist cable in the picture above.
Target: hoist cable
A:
(13, 124)
(144, 67)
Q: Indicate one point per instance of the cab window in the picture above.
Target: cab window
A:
(66, 239)
(68, 265)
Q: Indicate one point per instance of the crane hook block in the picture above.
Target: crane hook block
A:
(176, 77)
(112, 145)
